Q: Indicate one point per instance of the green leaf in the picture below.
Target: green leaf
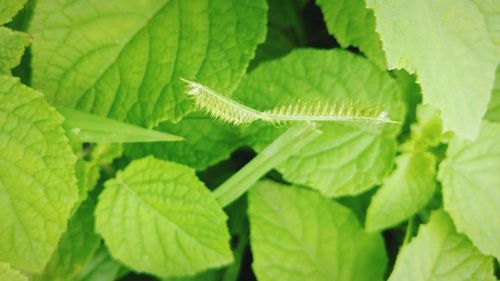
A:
(411, 185)
(411, 91)
(88, 171)
(9, 274)
(164, 201)
(206, 142)
(106, 153)
(238, 227)
(297, 234)
(87, 174)
(102, 267)
(427, 132)
(470, 180)
(441, 44)
(37, 179)
(361, 158)
(123, 59)
(76, 247)
(91, 128)
(285, 30)
(210, 275)
(353, 24)
(493, 113)
(407, 190)
(438, 253)
(9, 8)
(12, 44)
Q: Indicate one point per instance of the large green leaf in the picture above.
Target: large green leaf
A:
(207, 142)
(452, 45)
(471, 180)
(343, 160)
(124, 58)
(37, 179)
(353, 24)
(9, 274)
(404, 192)
(165, 202)
(297, 234)
(12, 44)
(9, 8)
(439, 253)
(76, 246)
(238, 227)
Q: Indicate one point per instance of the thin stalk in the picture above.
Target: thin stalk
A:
(410, 228)
(281, 149)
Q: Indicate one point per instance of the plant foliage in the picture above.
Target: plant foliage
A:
(225, 140)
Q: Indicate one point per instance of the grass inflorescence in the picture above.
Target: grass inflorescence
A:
(230, 111)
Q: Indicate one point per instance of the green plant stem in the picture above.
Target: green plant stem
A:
(281, 149)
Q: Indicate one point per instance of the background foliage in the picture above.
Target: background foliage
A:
(114, 194)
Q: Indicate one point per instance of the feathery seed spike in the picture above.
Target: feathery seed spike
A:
(229, 111)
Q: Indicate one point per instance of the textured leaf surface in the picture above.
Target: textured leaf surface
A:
(404, 192)
(439, 253)
(206, 142)
(165, 202)
(297, 234)
(9, 8)
(238, 227)
(471, 180)
(76, 246)
(353, 24)
(37, 181)
(12, 44)
(361, 158)
(493, 113)
(453, 46)
(9, 274)
(124, 59)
